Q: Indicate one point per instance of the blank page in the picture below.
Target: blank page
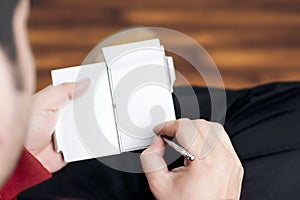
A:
(140, 82)
(86, 126)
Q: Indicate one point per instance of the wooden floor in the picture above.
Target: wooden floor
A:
(251, 41)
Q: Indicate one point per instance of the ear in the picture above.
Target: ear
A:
(7, 38)
(24, 71)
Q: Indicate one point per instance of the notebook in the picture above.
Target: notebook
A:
(129, 94)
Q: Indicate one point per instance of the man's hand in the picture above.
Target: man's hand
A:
(215, 174)
(45, 109)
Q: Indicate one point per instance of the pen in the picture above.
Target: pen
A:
(179, 149)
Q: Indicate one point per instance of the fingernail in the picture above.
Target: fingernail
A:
(158, 128)
(81, 86)
(85, 81)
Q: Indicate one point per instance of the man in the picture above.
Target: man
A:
(17, 76)
(215, 176)
(262, 123)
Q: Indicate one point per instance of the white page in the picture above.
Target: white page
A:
(86, 126)
(140, 82)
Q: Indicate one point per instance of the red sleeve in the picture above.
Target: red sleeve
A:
(28, 173)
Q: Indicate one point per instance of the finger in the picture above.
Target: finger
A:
(54, 97)
(210, 132)
(216, 141)
(226, 143)
(154, 165)
(50, 159)
(183, 130)
(152, 158)
(235, 182)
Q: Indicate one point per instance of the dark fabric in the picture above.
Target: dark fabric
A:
(262, 122)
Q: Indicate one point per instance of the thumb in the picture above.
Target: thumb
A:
(153, 163)
(54, 97)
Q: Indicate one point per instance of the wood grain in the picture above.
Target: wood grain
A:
(251, 41)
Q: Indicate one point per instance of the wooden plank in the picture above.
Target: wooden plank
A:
(163, 3)
(247, 37)
(268, 58)
(165, 17)
(226, 17)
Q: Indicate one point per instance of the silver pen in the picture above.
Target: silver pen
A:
(179, 149)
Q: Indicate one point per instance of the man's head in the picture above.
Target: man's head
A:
(16, 81)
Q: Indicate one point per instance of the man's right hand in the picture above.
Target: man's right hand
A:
(216, 173)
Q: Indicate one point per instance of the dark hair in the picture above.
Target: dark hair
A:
(7, 42)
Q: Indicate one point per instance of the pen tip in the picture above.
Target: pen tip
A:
(192, 158)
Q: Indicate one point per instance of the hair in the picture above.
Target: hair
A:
(7, 42)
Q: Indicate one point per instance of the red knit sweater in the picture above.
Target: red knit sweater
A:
(28, 173)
